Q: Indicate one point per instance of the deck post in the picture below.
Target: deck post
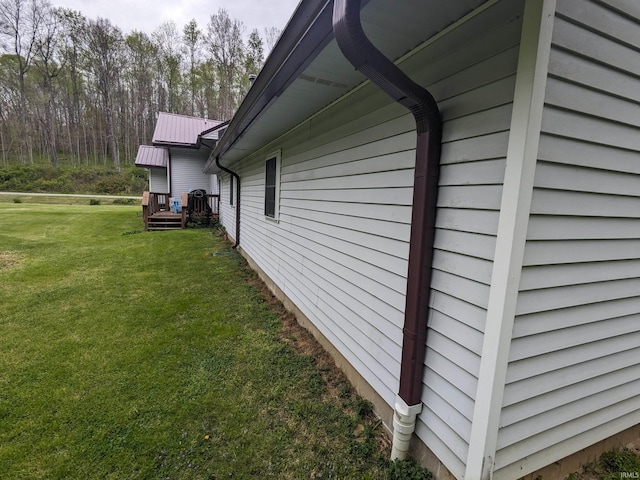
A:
(145, 209)
(184, 201)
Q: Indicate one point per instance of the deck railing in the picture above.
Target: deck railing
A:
(195, 207)
(154, 202)
(199, 207)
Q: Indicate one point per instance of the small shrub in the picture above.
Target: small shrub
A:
(363, 408)
(17, 200)
(199, 224)
(111, 183)
(406, 470)
(616, 462)
(612, 465)
(93, 201)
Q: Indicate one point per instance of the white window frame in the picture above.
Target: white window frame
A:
(276, 213)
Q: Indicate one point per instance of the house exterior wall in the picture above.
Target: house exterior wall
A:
(339, 249)
(186, 167)
(476, 108)
(158, 180)
(339, 253)
(574, 362)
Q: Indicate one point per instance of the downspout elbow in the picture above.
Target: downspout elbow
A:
(404, 424)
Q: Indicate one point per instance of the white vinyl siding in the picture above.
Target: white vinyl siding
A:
(227, 211)
(476, 104)
(158, 180)
(186, 171)
(340, 249)
(343, 267)
(572, 379)
(213, 184)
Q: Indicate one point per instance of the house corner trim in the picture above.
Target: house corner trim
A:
(515, 206)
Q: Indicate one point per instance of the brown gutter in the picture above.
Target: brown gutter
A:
(308, 32)
(368, 60)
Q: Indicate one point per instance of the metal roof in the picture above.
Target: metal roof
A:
(152, 156)
(180, 130)
(306, 70)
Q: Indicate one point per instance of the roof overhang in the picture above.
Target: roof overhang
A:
(152, 157)
(182, 131)
(306, 70)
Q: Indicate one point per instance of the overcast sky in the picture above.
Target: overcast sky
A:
(147, 15)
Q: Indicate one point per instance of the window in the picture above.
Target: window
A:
(230, 190)
(272, 186)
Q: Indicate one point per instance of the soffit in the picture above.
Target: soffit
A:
(395, 28)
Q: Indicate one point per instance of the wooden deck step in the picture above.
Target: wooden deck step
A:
(165, 221)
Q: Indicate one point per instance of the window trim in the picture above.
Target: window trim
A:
(276, 209)
(231, 203)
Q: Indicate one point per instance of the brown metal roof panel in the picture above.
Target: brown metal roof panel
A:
(173, 129)
(152, 157)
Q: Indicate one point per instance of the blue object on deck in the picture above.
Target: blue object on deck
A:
(175, 205)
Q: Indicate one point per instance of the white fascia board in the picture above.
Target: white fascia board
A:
(515, 206)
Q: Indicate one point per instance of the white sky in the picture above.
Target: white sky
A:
(147, 15)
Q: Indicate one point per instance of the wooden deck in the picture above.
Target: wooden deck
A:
(158, 214)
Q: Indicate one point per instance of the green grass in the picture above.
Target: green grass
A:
(144, 355)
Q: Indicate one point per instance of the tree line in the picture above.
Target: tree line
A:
(80, 89)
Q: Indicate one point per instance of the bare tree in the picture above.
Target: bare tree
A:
(20, 22)
(192, 40)
(104, 59)
(47, 48)
(169, 44)
(9, 107)
(74, 28)
(224, 40)
(140, 76)
(271, 36)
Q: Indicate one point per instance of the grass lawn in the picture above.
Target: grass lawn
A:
(154, 355)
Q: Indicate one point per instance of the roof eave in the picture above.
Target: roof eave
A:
(213, 129)
(176, 144)
(308, 32)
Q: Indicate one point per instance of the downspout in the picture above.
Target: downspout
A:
(168, 172)
(237, 177)
(368, 60)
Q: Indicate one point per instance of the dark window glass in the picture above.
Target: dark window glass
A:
(270, 189)
(230, 190)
